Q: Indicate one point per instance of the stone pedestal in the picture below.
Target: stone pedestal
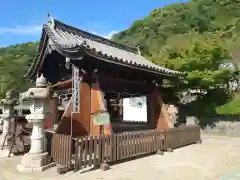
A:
(37, 159)
(35, 162)
(38, 141)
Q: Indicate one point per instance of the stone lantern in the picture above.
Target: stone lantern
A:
(37, 158)
(8, 106)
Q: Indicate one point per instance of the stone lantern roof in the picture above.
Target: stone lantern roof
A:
(41, 82)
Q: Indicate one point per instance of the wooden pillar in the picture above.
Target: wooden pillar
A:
(80, 121)
(158, 114)
(96, 103)
(48, 123)
(85, 107)
(95, 106)
(54, 109)
(121, 110)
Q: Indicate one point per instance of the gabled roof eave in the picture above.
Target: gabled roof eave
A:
(74, 50)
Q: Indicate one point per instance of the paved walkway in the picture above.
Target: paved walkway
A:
(217, 158)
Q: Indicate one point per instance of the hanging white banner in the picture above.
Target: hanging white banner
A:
(76, 95)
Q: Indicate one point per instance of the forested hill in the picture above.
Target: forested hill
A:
(14, 62)
(170, 25)
(196, 36)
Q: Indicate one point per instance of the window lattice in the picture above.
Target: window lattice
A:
(38, 105)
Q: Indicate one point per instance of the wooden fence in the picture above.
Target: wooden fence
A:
(61, 150)
(182, 136)
(92, 151)
(95, 150)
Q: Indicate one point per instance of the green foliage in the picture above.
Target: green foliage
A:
(197, 37)
(202, 59)
(232, 107)
(203, 16)
(14, 62)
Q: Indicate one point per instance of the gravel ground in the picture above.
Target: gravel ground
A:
(217, 158)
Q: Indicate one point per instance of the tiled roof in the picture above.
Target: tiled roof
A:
(70, 40)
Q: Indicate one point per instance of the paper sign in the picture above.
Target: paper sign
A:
(76, 96)
(101, 118)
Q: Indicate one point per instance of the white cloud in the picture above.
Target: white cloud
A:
(107, 35)
(110, 34)
(100, 29)
(21, 30)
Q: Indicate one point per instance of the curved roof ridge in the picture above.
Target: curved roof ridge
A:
(73, 43)
(61, 42)
(94, 37)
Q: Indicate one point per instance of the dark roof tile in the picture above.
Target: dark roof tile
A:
(71, 39)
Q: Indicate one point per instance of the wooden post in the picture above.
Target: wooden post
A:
(98, 104)
(158, 114)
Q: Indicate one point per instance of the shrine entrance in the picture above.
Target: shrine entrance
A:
(128, 104)
(108, 94)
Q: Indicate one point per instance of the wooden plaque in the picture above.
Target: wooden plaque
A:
(101, 118)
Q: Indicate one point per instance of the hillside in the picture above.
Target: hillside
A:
(14, 61)
(192, 37)
(168, 26)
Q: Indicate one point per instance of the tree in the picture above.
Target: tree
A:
(199, 37)
(203, 60)
(14, 62)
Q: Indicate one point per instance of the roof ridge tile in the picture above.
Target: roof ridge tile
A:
(94, 37)
(69, 41)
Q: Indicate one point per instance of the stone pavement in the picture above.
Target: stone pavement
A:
(217, 158)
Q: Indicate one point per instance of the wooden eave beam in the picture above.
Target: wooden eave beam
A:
(61, 83)
(97, 56)
(115, 79)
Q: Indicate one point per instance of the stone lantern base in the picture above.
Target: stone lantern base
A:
(35, 162)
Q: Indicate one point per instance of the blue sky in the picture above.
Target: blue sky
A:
(21, 20)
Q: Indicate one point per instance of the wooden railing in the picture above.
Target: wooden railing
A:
(92, 151)
(61, 150)
(182, 136)
(95, 150)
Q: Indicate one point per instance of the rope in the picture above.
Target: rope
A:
(26, 131)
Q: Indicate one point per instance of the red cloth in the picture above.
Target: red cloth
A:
(48, 124)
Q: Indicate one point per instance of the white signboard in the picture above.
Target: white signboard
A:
(135, 109)
(76, 95)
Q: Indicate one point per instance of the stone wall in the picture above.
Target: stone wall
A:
(222, 126)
